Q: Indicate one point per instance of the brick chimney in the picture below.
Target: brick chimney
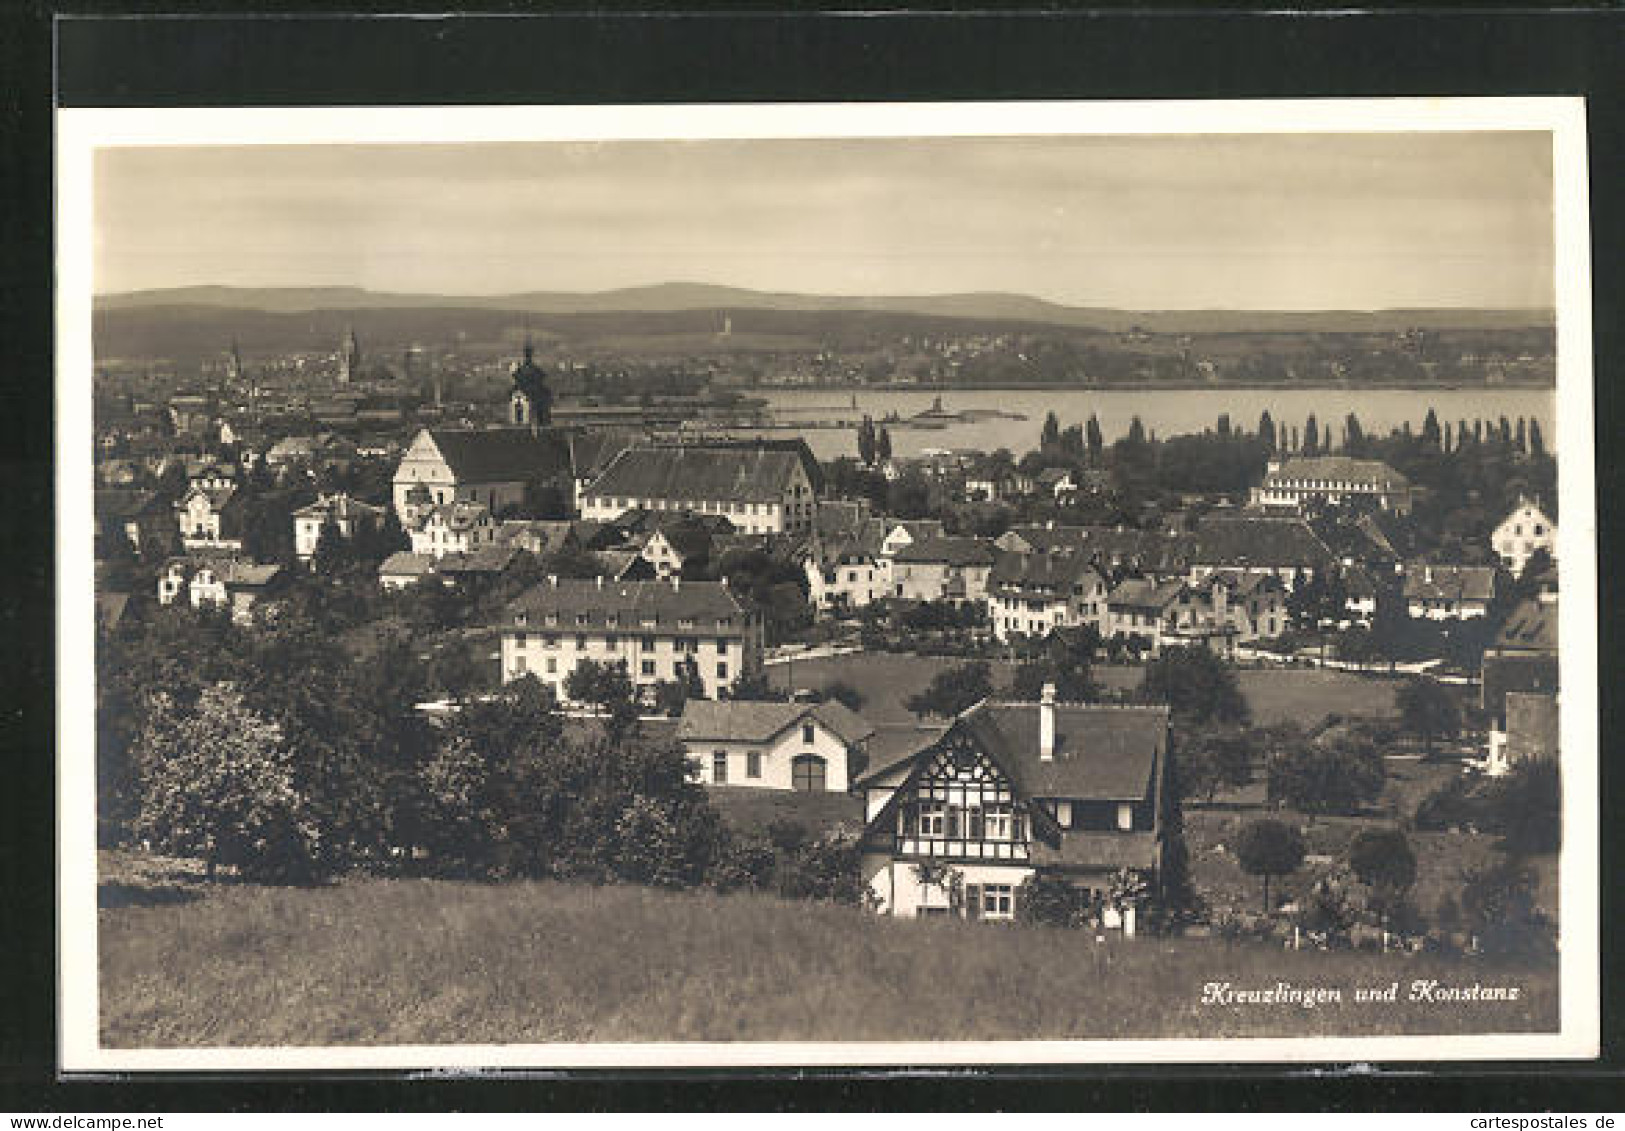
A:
(1046, 723)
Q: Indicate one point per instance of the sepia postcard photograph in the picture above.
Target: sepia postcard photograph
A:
(825, 585)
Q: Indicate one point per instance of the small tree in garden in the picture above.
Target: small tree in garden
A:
(1383, 860)
(603, 685)
(1327, 775)
(1269, 848)
(1428, 710)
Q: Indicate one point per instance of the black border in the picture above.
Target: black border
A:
(255, 57)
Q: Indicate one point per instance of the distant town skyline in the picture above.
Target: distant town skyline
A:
(1266, 221)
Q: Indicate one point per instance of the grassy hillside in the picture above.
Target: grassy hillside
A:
(417, 961)
(1305, 695)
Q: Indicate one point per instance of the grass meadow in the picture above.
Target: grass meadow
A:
(1304, 695)
(186, 963)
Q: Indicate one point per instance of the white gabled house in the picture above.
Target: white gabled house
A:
(1013, 790)
(347, 514)
(237, 585)
(454, 528)
(1521, 533)
(210, 518)
(805, 747)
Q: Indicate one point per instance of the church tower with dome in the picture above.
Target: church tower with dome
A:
(530, 404)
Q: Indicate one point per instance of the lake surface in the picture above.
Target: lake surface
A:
(1165, 412)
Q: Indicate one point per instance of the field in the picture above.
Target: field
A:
(886, 679)
(419, 961)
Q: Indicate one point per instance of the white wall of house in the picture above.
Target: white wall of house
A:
(898, 890)
(551, 654)
(775, 759)
(1521, 533)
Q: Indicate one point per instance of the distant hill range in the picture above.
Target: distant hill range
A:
(979, 307)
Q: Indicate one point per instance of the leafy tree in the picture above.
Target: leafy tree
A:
(216, 782)
(1198, 686)
(1430, 431)
(1332, 774)
(1050, 436)
(1269, 848)
(332, 554)
(883, 444)
(1210, 759)
(1266, 431)
(1537, 444)
(1428, 710)
(953, 689)
(1311, 436)
(604, 685)
(866, 442)
(1383, 860)
(1092, 435)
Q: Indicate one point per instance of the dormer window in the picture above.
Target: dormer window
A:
(582, 618)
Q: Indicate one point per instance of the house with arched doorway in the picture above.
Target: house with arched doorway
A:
(806, 747)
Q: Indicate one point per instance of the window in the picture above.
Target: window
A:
(722, 669)
(581, 641)
(648, 644)
(807, 734)
(612, 641)
(995, 821)
(519, 665)
(719, 767)
(1125, 817)
(648, 667)
(807, 774)
(552, 666)
(722, 646)
(929, 819)
(998, 901)
(551, 640)
(753, 764)
(521, 640)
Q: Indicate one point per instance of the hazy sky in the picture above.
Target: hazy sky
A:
(1263, 221)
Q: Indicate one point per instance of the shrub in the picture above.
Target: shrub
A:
(1045, 900)
(1526, 807)
(1498, 904)
(1452, 805)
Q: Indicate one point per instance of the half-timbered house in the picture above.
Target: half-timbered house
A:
(1009, 791)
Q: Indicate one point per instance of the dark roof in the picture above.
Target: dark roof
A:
(1237, 540)
(1080, 851)
(1056, 573)
(953, 551)
(594, 449)
(486, 559)
(1339, 469)
(1141, 593)
(697, 472)
(1152, 550)
(893, 745)
(689, 535)
(1532, 627)
(406, 563)
(1427, 582)
(502, 454)
(707, 603)
(339, 507)
(746, 721)
(544, 535)
(1101, 753)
